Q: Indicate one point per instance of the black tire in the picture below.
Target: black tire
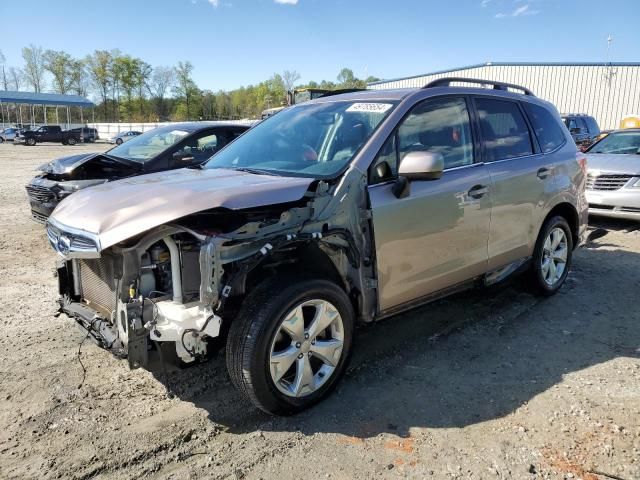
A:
(537, 279)
(119, 141)
(1, 140)
(92, 139)
(253, 330)
(71, 141)
(30, 141)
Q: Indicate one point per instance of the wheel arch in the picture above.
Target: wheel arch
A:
(569, 212)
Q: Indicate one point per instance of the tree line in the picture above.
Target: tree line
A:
(128, 89)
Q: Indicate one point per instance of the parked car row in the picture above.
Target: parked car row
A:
(337, 211)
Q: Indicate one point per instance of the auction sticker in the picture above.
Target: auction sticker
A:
(369, 107)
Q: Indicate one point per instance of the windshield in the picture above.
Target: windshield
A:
(312, 140)
(619, 142)
(150, 144)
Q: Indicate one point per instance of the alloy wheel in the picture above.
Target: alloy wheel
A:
(306, 348)
(554, 256)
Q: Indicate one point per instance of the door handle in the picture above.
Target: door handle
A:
(478, 191)
(543, 173)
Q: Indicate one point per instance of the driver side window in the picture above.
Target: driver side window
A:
(196, 149)
(438, 125)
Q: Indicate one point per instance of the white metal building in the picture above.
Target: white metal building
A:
(608, 91)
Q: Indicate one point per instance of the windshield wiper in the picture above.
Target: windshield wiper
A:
(256, 171)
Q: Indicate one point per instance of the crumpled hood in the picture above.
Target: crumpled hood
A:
(613, 163)
(119, 210)
(65, 165)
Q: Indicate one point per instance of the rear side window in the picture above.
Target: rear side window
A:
(547, 129)
(504, 130)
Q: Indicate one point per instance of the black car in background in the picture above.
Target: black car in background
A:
(48, 133)
(583, 128)
(164, 148)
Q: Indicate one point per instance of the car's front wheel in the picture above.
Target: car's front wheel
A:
(31, 142)
(71, 141)
(290, 343)
(552, 256)
(119, 141)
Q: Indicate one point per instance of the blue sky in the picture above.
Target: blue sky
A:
(240, 42)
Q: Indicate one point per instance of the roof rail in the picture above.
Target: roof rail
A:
(447, 81)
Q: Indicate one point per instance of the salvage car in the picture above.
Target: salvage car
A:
(164, 148)
(613, 181)
(337, 211)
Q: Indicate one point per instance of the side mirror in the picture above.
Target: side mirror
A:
(422, 166)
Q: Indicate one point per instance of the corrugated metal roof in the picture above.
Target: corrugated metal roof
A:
(31, 98)
(515, 64)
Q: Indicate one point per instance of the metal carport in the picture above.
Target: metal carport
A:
(40, 99)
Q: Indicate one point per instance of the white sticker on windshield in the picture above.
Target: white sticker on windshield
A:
(369, 107)
(180, 133)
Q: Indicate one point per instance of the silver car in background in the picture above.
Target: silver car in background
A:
(122, 137)
(613, 181)
(8, 134)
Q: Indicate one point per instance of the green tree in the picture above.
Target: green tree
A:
(59, 64)
(99, 65)
(161, 82)
(34, 69)
(185, 86)
(346, 78)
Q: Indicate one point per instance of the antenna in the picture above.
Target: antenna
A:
(610, 73)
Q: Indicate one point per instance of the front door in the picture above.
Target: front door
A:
(436, 237)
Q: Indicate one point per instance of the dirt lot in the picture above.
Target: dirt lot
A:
(483, 385)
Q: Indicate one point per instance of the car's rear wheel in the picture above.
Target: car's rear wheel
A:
(71, 141)
(290, 344)
(30, 141)
(1, 140)
(119, 141)
(552, 256)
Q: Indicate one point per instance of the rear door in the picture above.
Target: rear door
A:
(436, 237)
(522, 178)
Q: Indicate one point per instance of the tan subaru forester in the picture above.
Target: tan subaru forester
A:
(342, 210)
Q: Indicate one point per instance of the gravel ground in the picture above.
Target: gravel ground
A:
(488, 384)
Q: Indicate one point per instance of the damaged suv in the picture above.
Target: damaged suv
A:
(338, 211)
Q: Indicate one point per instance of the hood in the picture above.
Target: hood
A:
(613, 163)
(66, 165)
(119, 210)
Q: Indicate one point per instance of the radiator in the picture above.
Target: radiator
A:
(97, 285)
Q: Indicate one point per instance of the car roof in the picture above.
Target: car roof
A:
(402, 93)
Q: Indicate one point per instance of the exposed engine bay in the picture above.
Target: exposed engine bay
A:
(183, 282)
